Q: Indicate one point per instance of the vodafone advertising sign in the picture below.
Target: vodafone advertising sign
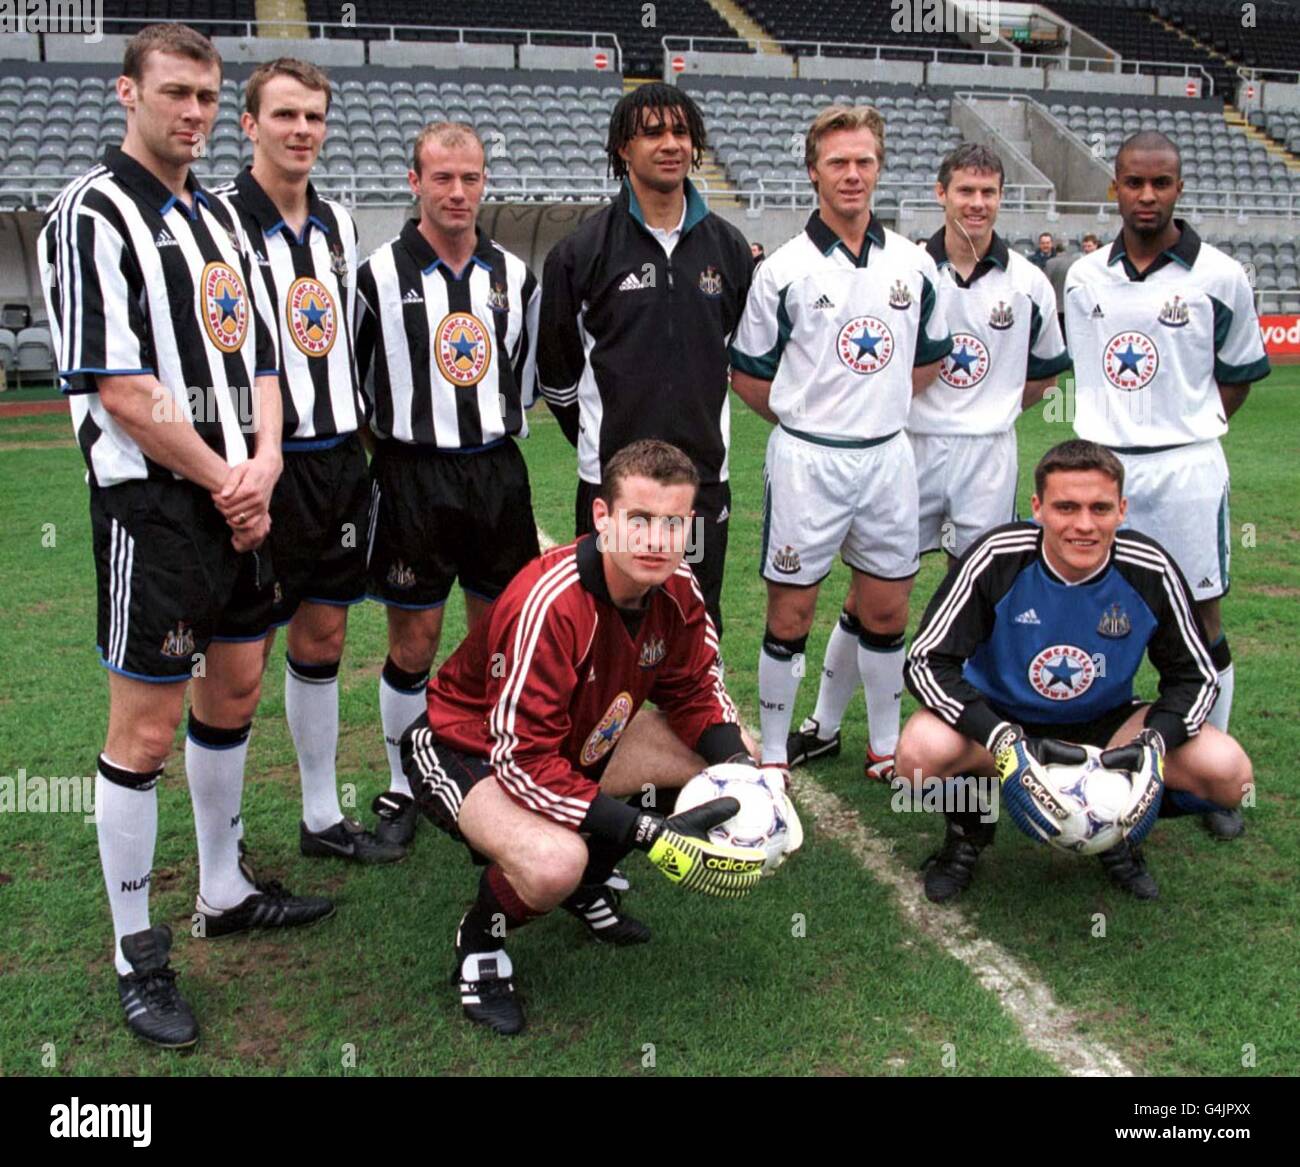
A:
(1281, 335)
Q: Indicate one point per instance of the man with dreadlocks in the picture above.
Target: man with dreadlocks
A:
(638, 307)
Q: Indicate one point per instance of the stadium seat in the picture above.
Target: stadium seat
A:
(8, 345)
(33, 351)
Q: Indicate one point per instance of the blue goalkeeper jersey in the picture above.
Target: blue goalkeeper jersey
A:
(1006, 638)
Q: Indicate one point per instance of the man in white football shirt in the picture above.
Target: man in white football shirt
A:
(1007, 351)
(841, 327)
(1167, 343)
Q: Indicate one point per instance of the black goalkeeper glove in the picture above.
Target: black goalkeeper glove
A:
(1014, 753)
(1145, 752)
(681, 849)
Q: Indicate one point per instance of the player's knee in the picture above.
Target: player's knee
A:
(885, 620)
(151, 743)
(1239, 770)
(918, 748)
(553, 868)
(240, 694)
(415, 654)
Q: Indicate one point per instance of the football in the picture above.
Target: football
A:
(763, 820)
(1083, 808)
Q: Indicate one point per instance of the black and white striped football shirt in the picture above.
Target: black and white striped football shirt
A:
(307, 286)
(136, 282)
(446, 359)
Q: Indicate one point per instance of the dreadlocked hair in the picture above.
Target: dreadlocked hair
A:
(630, 116)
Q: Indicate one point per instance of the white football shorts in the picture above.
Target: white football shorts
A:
(1180, 498)
(966, 484)
(853, 498)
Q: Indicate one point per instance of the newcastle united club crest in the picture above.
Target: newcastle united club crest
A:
(1115, 622)
(1174, 314)
(1001, 317)
(900, 295)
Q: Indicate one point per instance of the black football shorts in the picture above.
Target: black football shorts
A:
(320, 517)
(438, 516)
(169, 581)
(440, 777)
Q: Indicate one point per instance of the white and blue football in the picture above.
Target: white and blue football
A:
(763, 820)
(1083, 808)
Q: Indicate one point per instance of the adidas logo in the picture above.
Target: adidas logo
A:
(1028, 617)
(723, 515)
(1097, 313)
(261, 259)
(1205, 583)
(165, 239)
(823, 301)
(632, 284)
(412, 297)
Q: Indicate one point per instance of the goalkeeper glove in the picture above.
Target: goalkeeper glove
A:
(1016, 754)
(1146, 752)
(681, 849)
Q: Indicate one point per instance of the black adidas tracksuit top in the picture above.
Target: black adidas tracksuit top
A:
(632, 343)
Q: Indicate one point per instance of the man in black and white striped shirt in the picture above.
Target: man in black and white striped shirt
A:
(176, 405)
(446, 343)
(304, 252)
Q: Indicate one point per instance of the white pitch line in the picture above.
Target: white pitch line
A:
(1047, 1026)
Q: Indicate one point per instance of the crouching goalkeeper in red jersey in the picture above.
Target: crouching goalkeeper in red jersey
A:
(532, 737)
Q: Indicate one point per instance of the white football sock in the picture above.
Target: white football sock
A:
(127, 822)
(1218, 716)
(216, 779)
(397, 709)
(778, 685)
(882, 677)
(840, 680)
(311, 707)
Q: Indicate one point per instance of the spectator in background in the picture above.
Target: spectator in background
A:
(1090, 243)
(1046, 249)
(1055, 270)
(756, 250)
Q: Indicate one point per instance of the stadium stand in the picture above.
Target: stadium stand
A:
(541, 130)
(208, 16)
(1216, 156)
(1133, 31)
(1272, 41)
(642, 51)
(794, 21)
(757, 134)
(8, 345)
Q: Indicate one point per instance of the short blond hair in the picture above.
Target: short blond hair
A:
(844, 117)
(449, 134)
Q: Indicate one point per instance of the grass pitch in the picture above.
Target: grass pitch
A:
(816, 973)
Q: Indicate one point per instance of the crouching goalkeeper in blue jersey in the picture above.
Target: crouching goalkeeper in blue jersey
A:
(1034, 639)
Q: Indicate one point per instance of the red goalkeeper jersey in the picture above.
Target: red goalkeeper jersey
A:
(548, 682)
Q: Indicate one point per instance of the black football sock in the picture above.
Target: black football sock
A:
(497, 910)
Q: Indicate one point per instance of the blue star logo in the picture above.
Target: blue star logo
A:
(1128, 360)
(314, 314)
(610, 732)
(227, 303)
(866, 343)
(963, 359)
(464, 348)
(1063, 672)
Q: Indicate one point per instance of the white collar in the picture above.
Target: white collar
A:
(1060, 578)
(667, 232)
